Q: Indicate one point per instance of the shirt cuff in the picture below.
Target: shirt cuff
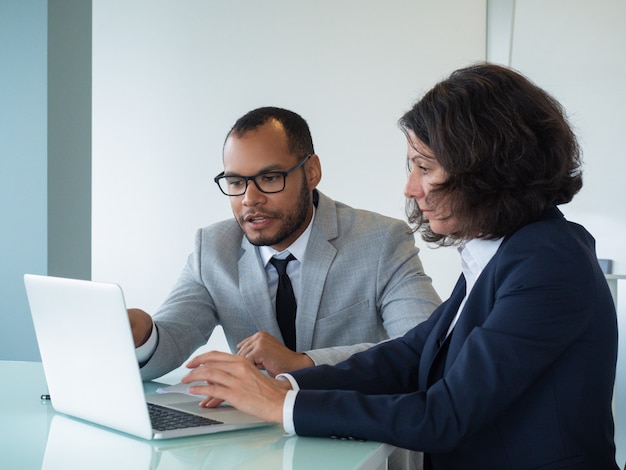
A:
(289, 403)
(146, 350)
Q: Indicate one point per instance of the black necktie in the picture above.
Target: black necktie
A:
(285, 303)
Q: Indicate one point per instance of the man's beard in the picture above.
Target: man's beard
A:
(291, 223)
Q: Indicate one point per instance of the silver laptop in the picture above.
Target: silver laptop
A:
(89, 361)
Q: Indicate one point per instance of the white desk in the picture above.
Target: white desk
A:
(34, 436)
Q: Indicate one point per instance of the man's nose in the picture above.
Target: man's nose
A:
(253, 195)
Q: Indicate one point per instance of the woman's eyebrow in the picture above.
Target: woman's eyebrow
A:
(421, 155)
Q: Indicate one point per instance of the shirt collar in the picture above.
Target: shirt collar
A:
(297, 248)
(475, 255)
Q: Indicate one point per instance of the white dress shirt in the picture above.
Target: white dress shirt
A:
(475, 255)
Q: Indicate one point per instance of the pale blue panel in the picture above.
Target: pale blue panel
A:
(23, 167)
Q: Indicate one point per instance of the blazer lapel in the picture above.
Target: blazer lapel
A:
(436, 347)
(317, 261)
(478, 306)
(253, 290)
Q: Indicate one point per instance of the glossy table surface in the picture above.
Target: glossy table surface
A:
(33, 436)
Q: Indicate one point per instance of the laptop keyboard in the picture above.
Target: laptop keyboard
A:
(166, 419)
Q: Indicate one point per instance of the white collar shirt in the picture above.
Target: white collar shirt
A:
(475, 255)
(297, 249)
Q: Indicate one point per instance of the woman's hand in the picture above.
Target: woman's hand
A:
(234, 379)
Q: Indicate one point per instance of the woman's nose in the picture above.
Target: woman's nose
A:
(413, 187)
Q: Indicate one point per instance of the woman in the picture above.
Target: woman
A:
(516, 369)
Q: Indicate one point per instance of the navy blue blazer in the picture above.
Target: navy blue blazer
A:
(524, 381)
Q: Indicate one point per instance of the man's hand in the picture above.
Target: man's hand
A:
(234, 379)
(140, 325)
(266, 352)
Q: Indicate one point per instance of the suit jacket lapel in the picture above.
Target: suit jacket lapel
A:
(480, 301)
(479, 304)
(434, 351)
(318, 259)
(253, 290)
(316, 264)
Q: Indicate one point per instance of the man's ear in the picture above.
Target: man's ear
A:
(313, 171)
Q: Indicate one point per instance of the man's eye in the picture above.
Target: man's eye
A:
(270, 178)
(234, 182)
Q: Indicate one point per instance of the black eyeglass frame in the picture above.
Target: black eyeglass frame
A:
(253, 178)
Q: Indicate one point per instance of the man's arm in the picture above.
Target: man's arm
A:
(184, 321)
(405, 296)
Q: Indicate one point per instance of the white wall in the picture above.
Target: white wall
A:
(575, 50)
(170, 78)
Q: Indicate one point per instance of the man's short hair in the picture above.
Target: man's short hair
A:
(299, 139)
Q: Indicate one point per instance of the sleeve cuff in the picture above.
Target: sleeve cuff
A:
(289, 404)
(146, 350)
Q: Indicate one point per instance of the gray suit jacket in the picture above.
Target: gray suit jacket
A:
(362, 282)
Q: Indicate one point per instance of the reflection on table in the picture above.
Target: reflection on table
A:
(33, 436)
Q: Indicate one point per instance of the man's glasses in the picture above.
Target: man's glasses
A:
(268, 182)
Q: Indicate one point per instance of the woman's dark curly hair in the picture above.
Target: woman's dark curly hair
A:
(506, 146)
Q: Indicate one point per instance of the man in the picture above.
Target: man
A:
(356, 277)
